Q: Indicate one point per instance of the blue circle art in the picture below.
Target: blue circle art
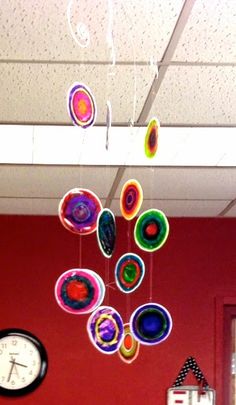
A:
(151, 324)
(106, 232)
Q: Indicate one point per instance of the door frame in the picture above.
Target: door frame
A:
(225, 312)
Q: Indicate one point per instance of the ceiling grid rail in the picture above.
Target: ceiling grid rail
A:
(166, 59)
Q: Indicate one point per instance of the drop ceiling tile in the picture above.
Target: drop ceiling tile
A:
(180, 208)
(209, 35)
(28, 206)
(183, 183)
(231, 212)
(53, 181)
(197, 95)
(40, 91)
(142, 29)
(40, 29)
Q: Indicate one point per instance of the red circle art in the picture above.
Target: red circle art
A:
(131, 199)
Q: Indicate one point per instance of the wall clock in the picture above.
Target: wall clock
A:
(23, 362)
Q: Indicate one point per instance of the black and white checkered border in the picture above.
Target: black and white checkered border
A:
(190, 364)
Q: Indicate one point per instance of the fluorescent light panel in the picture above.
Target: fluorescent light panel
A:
(71, 145)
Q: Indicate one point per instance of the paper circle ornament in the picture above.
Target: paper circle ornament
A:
(129, 272)
(79, 291)
(129, 348)
(106, 232)
(78, 211)
(105, 329)
(151, 324)
(131, 199)
(81, 105)
(151, 138)
(151, 230)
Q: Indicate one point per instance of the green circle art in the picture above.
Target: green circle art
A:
(151, 230)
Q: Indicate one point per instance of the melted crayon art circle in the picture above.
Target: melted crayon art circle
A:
(151, 138)
(105, 329)
(106, 232)
(78, 211)
(129, 272)
(129, 348)
(81, 105)
(79, 291)
(151, 230)
(151, 324)
(131, 199)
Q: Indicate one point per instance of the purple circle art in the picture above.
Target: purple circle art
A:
(78, 211)
(105, 329)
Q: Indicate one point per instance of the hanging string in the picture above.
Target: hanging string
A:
(131, 125)
(80, 251)
(78, 31)
(110, 70)
(80, 34)
(151, 253)
(107, 279)
(150, 276)
(129, 249)
(107, 260)
(132, 119)
(110, 74)
(110, 35)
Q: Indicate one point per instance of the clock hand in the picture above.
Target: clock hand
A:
(18, 364)
(11, 369)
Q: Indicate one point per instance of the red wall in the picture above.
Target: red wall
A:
(197, 264)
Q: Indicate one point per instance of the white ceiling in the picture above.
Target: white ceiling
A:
(172, 59)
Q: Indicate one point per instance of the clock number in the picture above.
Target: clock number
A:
(14, 342)
(3, 345)
(12, 382)
(0, 351)
(31, 372)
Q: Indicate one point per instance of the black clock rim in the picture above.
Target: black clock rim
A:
(43, 356)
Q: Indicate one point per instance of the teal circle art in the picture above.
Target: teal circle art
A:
(106, 232)
(151, 230)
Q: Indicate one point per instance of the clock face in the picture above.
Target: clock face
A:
(23, 362)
